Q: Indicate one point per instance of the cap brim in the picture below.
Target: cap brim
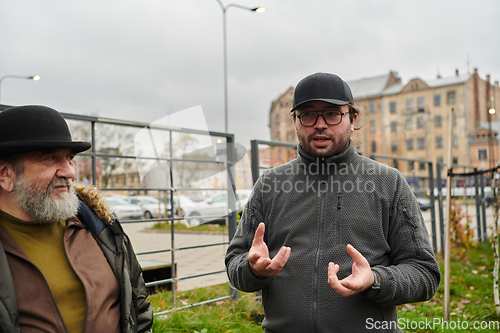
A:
(16, 148)
(327, 100)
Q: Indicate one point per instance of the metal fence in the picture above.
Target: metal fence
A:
(115, 164)
(114, 155)
(471, 188)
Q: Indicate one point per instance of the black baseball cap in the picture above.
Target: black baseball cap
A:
(323, 87)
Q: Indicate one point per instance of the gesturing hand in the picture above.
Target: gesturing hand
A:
(260, 264)
(360, 279)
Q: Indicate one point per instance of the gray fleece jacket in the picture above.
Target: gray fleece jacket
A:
(317, 206)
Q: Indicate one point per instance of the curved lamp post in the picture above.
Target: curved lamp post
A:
(224, 9)
(34, 78)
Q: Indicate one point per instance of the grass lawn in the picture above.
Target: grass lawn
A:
(242, 315)
(471, 297)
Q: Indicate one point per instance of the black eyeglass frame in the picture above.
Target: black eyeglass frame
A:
(322, 115)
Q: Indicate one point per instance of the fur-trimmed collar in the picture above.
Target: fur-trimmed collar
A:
(95, 201)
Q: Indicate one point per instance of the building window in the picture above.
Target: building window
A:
(395, 164)
(374, 146)
(421, 166)
(482, 154)
(455, 160)
(421, 143)
(438, 121)
(450, 97)
(392, 106)
(420, 104)
(394, 146)
(411, 165)
(373, 126)
(420, 122)
(439, 142)
(409, 105)
(409, 123)
(455, 141)
(439, 160)
(437, 100)
(409, 144)
(371, 105)
(394, 126)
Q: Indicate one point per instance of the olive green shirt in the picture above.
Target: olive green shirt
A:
(44, 246)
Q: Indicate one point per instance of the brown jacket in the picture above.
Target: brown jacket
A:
(37, 308)
(101, 255)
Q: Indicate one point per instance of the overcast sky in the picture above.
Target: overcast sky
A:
(144, 59)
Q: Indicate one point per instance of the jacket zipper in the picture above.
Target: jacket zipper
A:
(316, 262)
(337, 215)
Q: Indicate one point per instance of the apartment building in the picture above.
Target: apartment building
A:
(411, 120)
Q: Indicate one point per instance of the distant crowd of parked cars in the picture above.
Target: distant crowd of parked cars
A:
(195, 208)
(456, 192)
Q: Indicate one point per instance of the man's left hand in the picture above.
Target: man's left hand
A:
(360, 279)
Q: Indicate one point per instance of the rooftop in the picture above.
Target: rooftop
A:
(369, 87)
(448, 81)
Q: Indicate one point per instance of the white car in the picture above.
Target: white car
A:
(123, 209)
(242, 197)
(215, 207)
(151, 206)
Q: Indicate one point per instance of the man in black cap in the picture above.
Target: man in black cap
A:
(65, 263)
(334, 240)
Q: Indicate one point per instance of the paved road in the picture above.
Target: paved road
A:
(189, 262)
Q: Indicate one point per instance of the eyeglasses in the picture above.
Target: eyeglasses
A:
(309, 118)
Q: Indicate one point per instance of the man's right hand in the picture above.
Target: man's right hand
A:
(260, 264)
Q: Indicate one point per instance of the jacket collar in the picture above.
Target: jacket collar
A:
(345, 157)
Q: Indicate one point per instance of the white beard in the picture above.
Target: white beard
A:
(40, 206)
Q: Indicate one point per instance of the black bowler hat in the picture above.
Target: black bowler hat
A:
(30, 128)
(323, 87)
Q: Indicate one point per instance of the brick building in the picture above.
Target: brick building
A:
(411, 120)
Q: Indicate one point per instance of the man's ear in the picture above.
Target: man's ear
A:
(354, 117)
(7, 176)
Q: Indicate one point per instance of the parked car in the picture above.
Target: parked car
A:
(488, 196)
(215, 206)
(151, 206)
(197, 197)
(242, 197)
(123, 209)
(424, 203)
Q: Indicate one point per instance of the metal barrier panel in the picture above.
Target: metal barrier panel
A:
(169, 169)
(435, 191)
(273, 162)
(431, 219)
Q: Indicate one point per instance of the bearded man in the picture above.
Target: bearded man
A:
(65, 263)
(347, 240)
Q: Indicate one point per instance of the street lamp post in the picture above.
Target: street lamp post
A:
(34, 78)
(224, 9)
